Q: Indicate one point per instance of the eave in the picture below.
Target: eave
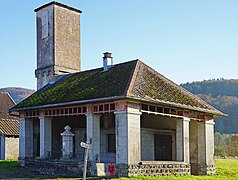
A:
(129, 97)
(69, 103)
(166, 103)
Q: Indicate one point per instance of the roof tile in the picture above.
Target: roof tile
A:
(132, 79)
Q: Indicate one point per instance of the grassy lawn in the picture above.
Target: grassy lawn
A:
(226, 169)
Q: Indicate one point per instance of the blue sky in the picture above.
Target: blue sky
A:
(185, 40)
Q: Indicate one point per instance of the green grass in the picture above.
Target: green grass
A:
(226, 169)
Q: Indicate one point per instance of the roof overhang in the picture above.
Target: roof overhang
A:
(69, 103)
(165, 103)
(171, 104)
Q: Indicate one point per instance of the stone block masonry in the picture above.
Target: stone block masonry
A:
(157, 169)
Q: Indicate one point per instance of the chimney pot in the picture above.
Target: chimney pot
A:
(107, 61)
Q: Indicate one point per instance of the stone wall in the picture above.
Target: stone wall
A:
(159, 169)
(142, 169)
(72, 169)
(11, 148)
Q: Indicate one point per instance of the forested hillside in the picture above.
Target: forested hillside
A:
(222, 94)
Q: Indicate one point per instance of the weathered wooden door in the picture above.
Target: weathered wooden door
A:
(163, 147)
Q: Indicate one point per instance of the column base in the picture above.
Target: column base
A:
(202, 169)
(23, 161)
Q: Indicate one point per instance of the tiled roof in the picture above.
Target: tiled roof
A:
(9, 127)
(92, 84)
(8, 124)
(150, 85)
(6, 103)
(132, 79)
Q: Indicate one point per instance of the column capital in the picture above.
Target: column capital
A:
(210, 122)
(92, 114)
(22, 119)
(44, 117)
(186, 119)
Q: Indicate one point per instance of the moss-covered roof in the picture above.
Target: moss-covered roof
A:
(85, 85)
(132, 79)
(151, 85)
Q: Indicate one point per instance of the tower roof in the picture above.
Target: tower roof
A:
(58, 4)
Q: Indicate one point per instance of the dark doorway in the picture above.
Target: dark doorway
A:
(163, 147)
(36, 138)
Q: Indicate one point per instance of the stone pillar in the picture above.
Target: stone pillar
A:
(93, 136)
(182, 140)
(193, 144)
(25, 140)
(128, 140)
(67, 142)
(206, 147)
(45, 136)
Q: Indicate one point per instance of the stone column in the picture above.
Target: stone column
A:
(128, 140)
(193, 144)
(25, 140)
(93, 136)
(182, 140)
(45, 136)
(206, 147)
(67, 142)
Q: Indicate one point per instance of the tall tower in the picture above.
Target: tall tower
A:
(58, 41)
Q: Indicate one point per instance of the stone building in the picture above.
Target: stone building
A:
(130, 114)
(9, 129)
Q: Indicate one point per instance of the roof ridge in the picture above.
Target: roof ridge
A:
(98, 68)
(132, 79)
